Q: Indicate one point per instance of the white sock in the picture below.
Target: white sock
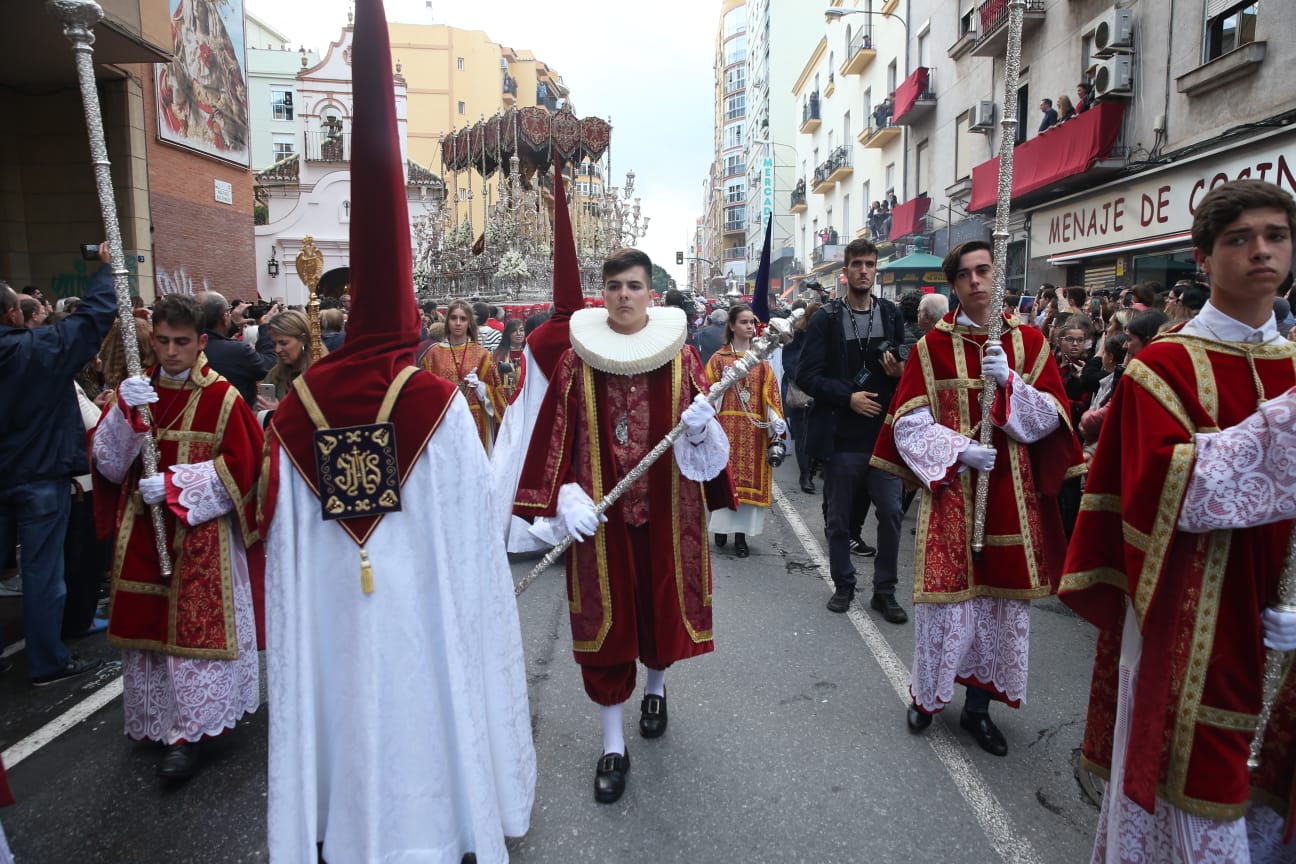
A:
(654, 682)
(613, 735)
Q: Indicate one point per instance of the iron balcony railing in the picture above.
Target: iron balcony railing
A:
(328, 147)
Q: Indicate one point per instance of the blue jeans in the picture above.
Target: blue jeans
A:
(845, 475)
(36, 514)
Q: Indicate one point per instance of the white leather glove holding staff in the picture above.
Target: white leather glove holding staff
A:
(576, 512)
(153, 489)
(978, 458)
(476, 384)
(137, 391)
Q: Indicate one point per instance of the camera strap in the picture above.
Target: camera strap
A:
(862, 344)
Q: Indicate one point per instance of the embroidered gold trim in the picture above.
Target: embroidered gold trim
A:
(1105, 503)
(600, 536)
(1158, 543)
(1162, 392)
(1221, 718)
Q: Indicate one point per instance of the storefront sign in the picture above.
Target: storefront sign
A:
(1158, 206)
(767, 191)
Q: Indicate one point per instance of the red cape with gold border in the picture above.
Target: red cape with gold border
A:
(1197, 597)
(202, 418)
(1024, 541)
(576, 450)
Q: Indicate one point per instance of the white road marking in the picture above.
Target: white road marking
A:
(1012, 846)
(62, 723)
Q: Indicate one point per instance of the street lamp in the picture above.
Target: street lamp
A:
(272, 266)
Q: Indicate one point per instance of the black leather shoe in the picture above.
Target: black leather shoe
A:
(610, 777)
(179, 762)
(740, 545)
(652, 716)
(841, 599)
(721, 539)
(807, 483)
(916, 718)
(985, 732)
(890, 609)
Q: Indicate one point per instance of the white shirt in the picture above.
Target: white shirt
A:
(1211, 323)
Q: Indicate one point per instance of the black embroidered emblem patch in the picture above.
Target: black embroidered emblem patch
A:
(358, 472)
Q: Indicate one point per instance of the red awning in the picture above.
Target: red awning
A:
(1062, 151)
(907, 218)
(908, 92)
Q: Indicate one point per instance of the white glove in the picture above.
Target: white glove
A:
(1279, 629)
(136, 391)
(778, 426)
(995, 364)
(978, 457)
(474, 382)
(696, 417)
(153, 489)
(576, 512)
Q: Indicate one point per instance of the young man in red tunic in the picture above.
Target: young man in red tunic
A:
(972, 613)
(189, 644)
(1183, 533)
(639, 581)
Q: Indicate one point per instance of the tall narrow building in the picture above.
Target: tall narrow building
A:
(725, 230)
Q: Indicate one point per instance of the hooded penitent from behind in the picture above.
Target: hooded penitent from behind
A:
(399, 726)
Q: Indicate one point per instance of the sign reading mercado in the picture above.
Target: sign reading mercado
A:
(202, 96)
(1159, 206)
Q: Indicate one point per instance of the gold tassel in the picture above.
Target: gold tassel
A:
(366, 573)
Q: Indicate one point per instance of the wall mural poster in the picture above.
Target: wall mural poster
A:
(202, 93)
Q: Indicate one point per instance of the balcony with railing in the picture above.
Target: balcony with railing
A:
(810, 113)
(328, 147)
(797, 203)
(827, 253)
(859, 52)
(509, 90)
(992, 26)
(1078, 154)
(735, 253)
(914, 99)
(832, 170)
(880, 132)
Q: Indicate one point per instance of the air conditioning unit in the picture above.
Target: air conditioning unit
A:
(1114, 34)
(1114, 77)
(981, 116)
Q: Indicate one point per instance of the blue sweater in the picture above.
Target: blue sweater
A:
(41, 433)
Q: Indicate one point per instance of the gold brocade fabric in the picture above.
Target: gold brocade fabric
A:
(748, 466)
(452, 364)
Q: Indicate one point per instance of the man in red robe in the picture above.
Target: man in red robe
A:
(1183, 534)
(189, 643)
(639, 582)
(972, 613)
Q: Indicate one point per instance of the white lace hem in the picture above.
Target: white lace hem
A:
(927, 447)
(116, 444)
(1032, 415)
(985, 638)
(1245, 475)
(705, 458)
(170, 698)
(202, 494)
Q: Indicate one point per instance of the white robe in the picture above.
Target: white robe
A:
(399, 723)
(511, 445)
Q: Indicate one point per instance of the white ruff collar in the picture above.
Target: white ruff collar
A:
(618, 354)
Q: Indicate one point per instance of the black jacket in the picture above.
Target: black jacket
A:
(239, 363)
(708, 340)
(42, 436)
(824, 374)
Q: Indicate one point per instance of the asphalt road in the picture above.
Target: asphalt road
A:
(787, 744)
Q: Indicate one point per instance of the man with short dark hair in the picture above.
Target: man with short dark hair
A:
(235, 360)
(1050, 114)
(639, 577)
(849, 366)
(189, 641)
(971, 607)
(1178, 559)
(42, 447)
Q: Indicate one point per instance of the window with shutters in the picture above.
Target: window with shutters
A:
(1229, 26)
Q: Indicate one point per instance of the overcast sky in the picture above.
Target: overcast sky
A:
(645, 67)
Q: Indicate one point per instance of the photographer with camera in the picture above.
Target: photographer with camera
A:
(849, 366)
(751, 414)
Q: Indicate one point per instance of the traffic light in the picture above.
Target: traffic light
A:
(679, 257)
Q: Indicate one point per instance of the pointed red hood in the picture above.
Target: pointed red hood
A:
(551, 339)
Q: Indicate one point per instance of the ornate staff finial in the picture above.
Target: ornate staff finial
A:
(310, 267)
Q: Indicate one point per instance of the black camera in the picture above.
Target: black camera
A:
(875, 382)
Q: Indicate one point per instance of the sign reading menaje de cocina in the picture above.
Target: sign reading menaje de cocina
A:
(1157, 205)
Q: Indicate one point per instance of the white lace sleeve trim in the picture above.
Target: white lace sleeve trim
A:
(116, 444)
(704, 457)
(202, 495)
(1245, 475)
(1032, 415)
(927, 447)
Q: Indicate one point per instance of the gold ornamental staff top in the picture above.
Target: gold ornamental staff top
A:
(310, 267)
